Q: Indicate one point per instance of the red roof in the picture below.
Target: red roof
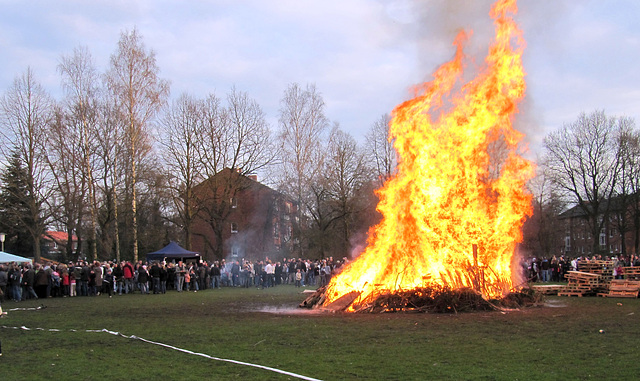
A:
(58, 236)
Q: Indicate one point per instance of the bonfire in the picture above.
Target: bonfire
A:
(453, 211)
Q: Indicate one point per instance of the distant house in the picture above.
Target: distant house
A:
(55, 244)
(254, 221)
(579, 239)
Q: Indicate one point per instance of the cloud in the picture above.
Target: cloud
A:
(362, 55)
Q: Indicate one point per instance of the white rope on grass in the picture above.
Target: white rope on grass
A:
(26, 308)
(133, 337)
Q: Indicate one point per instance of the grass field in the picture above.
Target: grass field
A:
(559, 341)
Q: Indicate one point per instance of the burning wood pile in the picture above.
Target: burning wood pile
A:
(423, 299)
(460, 184)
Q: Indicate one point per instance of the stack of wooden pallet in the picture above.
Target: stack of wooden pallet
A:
(622, 288)
(582, 283)
(602, 268)
(631, 272)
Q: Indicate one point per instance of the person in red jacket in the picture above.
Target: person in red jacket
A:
(128, 272)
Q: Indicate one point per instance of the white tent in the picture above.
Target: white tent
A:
(8, 258)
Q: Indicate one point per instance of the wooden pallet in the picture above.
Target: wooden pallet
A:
(631, 272)
(622, 294)
(582, 283)
(623, 288)
(571, 293)
(549, 289)
(596, 278)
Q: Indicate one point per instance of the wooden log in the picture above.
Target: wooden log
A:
(343, 302)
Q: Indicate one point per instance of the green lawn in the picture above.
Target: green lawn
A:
(560, 341)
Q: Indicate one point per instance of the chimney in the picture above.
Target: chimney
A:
(253, 177)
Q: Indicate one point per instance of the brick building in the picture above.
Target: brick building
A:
(254, 221)
(579, 239)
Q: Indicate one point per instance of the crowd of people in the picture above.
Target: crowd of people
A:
(84, 278)
(554, 269)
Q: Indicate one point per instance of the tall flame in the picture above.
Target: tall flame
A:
(453, 213)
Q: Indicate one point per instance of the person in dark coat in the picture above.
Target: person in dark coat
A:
(15, 282)
(143, 279)
(41, 282)
(235, 273)
(118, 276)
(84, 279)
(76, 274)
(171, 276)
(92, 282)
(4, 281)
(154, 273)
(163, 278)
(215, 275)
(202, 276)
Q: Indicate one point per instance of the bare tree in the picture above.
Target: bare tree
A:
(80, 81)
(542, 231)
(182, 127)
(251, 146)
(335, 193)
(214, 143)
(346, 173)
(26, 112)
(627, 216)
(64, 157)
(109, 137)
(302, 127)
(380, 151)
(236, 139)
(133, 78)
(583, 162)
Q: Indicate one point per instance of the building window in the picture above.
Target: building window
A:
(234, 202)
(567, 243)
(603, 239)
(234, 252)
(234, 227)
(276, 230)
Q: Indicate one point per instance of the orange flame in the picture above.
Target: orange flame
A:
(453, 213)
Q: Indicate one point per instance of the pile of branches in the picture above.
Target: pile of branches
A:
(436, 299)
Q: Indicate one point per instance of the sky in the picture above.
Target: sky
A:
(363, 56)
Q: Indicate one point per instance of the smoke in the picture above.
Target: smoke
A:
(358, 242)
(518, 274)
(432, 25)
(438, 23)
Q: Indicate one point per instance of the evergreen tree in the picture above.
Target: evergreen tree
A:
(14, 205)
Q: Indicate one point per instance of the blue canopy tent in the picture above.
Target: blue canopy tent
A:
(173, 251)
(8, 258)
